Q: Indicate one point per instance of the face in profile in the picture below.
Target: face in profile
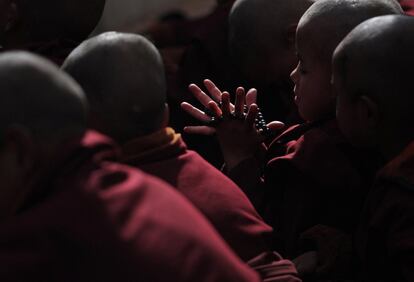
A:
(312, 79)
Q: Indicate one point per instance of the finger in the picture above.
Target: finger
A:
(195, 113)
(214, 91)
(199, 94)
(239, 104)
(225, 104)
(276, 126)
(251, 116)
(200, 130)
(251, 97)
(215, 109)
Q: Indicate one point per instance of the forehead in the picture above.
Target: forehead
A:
(308, 44)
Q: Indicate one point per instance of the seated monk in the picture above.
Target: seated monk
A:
(68, 213)
(127, 101)
(310, 183)
(375, 110)
(222, 51)
(51, 28)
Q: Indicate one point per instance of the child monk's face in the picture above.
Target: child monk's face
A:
(312, 78)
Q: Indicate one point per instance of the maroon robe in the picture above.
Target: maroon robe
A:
(408, 6)
(95, 220)
(311, 189)
(214, 194)
(385, 241)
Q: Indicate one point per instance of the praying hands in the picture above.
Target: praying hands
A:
(239, 127)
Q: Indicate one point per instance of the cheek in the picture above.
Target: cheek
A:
(351, 126)
(10, 184)
(314, 99)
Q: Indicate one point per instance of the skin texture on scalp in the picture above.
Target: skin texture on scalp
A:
(328, 21)
(128, 93)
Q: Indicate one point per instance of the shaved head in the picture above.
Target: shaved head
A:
(38, 96)
(376, 60)
(123, 77)
(42, 110)
(327, 22)
(260, 30)
(68, 19)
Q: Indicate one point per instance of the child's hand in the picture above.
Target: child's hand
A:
(235, 128)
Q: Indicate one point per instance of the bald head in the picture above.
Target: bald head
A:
(51, 19)
(327, 22)
(123, 77)
(376, 60)
(261, 31)
(38, 96)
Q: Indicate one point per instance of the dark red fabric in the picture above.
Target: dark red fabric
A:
(213, 193)
(317, 178)
(312, 177)
(408, 6)
(101, 221)
(385, 240)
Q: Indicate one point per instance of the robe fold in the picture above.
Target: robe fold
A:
(95, 220)
(385, 238)
(165, 155)
(311, 177)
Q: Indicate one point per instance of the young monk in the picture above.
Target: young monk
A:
(375, 105)
(68, 213)
(310, 183)
(222, 52)
(128, 103)
(52, 28)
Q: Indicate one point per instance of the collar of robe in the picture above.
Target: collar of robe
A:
(157, 146)
(93, 147)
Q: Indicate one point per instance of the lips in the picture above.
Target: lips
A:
(296, 98)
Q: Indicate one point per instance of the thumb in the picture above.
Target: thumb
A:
(275, 126)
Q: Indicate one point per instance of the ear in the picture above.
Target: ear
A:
(20, 140)
(12, 16)
(290, 35)
(368, 111)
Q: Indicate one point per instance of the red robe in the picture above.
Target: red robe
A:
(95, 220)
(165, 155)
(408, 6)
(311, 189)
(385, 241)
